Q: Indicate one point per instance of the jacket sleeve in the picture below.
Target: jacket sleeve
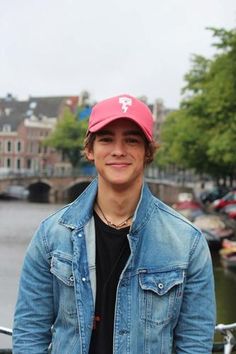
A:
(34, 315)
(195, 328)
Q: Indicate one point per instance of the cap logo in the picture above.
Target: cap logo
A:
(125, 102)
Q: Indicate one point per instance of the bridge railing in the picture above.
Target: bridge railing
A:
(76, 172)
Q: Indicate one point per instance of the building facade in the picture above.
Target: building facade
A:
(24, 125)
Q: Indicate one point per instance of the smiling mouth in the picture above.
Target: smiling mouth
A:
(118, 164)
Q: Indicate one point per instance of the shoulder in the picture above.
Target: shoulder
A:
(51, 231)
(166, 232)
(169, 213)
(55, 217)
(175, 228)
(162, 216)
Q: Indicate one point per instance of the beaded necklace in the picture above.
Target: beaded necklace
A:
(110, 223)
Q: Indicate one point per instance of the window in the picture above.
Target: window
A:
(33, 105)
(7, 111)
(8, 163)
(6, 128)
(29, 164)
(18, 164)
(18, 146)
(36, 148)
(9, 146)
(31, 149)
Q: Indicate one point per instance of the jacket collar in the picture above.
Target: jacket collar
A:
(80, 211)
(143, 211)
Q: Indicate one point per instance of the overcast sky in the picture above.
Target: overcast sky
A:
(61, 47)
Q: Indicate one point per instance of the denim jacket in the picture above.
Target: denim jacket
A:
(165, 296)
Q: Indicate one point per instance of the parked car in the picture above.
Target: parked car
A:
(229, 198)
(215, 228)
(209, 196)
(189, 208)
(230, 211)
(185, 196)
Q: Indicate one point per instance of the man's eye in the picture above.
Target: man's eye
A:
(132, 140)
(105, 139)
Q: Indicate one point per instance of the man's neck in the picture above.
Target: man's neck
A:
(119, 202)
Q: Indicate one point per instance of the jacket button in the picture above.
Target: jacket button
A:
(80, 235)
(160, 286)
(83, 279)
(71, 278)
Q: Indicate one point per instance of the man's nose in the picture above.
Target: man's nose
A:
(118, 149)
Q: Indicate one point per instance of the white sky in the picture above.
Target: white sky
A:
(141, 47)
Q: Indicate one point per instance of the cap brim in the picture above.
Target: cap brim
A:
(98, 126)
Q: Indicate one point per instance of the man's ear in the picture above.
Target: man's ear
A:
(89, 154)
(147, 157)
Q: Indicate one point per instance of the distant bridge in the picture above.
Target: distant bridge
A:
(48, 189)
(59, 189)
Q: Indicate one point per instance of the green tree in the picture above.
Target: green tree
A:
(183, 144)
(68, 137)
(202, 133)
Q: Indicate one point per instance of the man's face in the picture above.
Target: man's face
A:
(118, 153)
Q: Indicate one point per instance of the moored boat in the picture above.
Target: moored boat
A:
(228, 254)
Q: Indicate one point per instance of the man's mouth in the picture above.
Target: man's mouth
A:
(118, 164)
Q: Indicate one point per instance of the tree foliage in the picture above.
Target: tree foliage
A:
(68, 137)
(202, 133)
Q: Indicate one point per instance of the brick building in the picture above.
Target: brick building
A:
(23, 127)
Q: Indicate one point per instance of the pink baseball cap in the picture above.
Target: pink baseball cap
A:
(122, 106)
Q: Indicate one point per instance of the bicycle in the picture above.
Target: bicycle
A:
(229, 343)
(7, 331)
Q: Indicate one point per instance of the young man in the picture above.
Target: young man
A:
(117, 271)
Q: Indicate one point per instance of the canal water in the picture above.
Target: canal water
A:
(18, 221)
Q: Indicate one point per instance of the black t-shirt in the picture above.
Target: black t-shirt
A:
(112, 252)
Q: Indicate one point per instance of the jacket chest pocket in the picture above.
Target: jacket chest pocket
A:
(61, 268)
(160, 295)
